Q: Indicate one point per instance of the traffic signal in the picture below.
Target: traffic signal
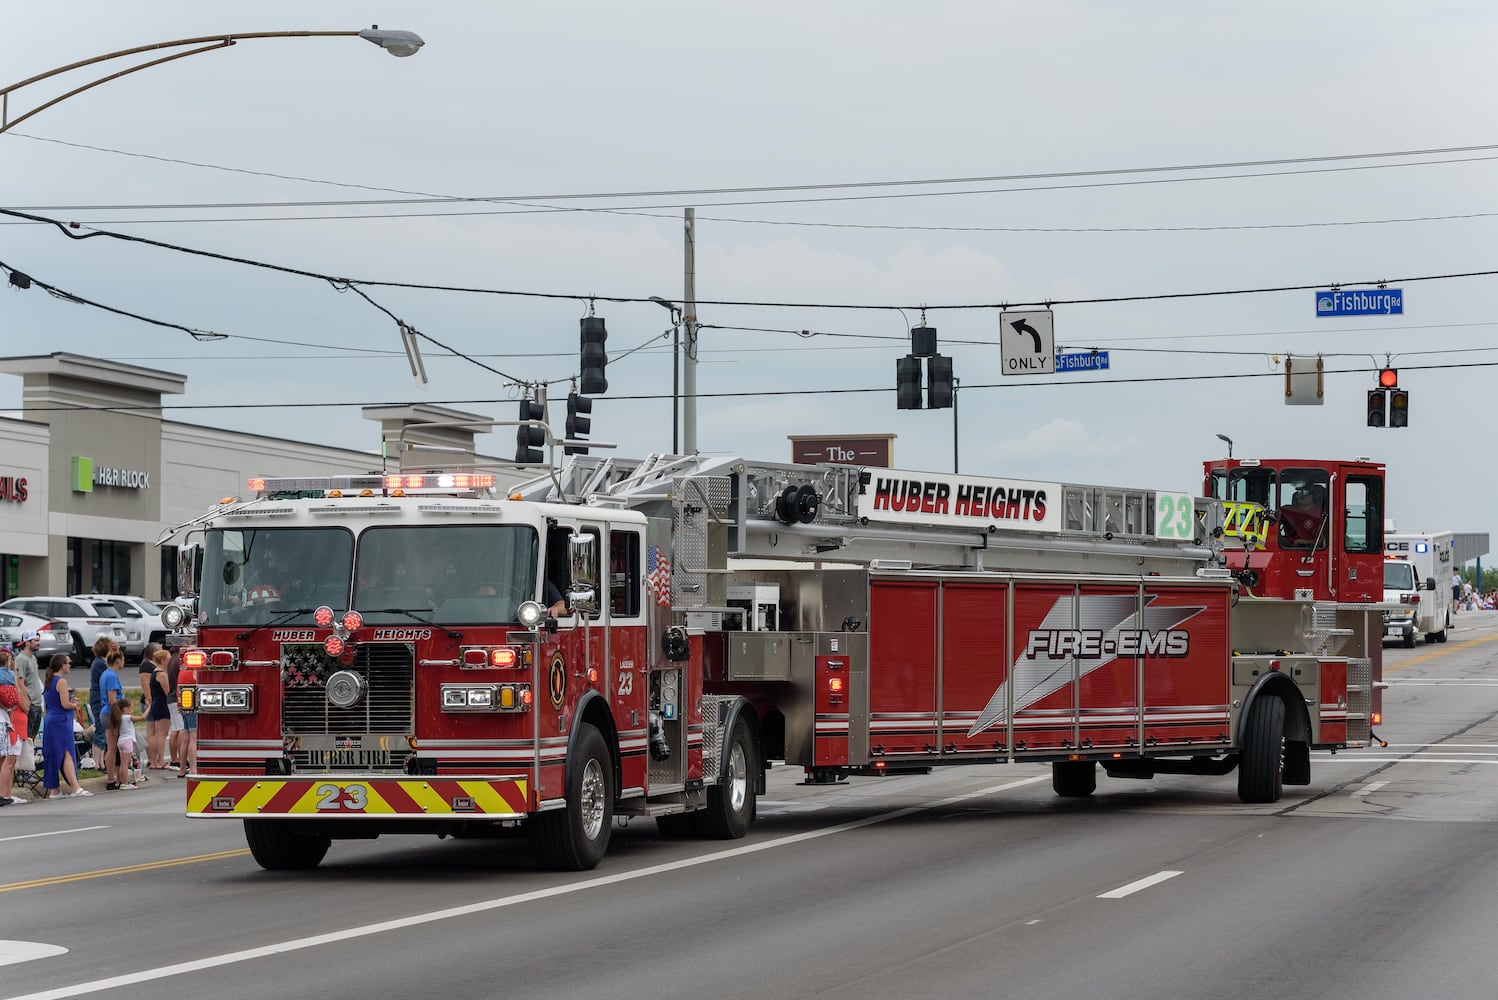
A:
(591, 381)
(908, 382)
(578, 422)
(1378, 407)
(1399, 408)
(1388, 378)
(528, 437)
(939, 382)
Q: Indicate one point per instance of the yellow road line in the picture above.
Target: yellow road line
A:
(123, 870)
(1440, 652)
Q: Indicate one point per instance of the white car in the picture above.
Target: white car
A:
(142, 620)
(86, 621)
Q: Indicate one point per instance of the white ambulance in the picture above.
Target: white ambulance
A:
(1417, 576)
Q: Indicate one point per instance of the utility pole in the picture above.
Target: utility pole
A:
(689, 369)
(956, 384)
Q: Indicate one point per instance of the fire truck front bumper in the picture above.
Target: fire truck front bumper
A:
(326, 797)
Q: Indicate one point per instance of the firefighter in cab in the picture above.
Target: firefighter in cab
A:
(1303, 521)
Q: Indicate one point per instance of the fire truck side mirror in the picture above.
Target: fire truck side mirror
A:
(189, 557)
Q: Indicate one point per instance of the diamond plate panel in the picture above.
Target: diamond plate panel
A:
(1359, 701)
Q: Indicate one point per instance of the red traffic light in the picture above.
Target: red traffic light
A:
(1388, 378)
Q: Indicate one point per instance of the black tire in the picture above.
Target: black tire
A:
(1441, 635)
(276, 849)
(1409, 639)
(1260, 764)
(1074, 779)
(730, 803)
(82, 655)
(575, 838)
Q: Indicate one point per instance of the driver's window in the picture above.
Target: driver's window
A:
(1303, 500)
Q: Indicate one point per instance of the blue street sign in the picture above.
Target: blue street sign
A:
(1080, 361)
(1370, 302)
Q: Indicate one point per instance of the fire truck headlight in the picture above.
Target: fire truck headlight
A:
(530, 614)
(227, 698)
(480, 697)
(454, 698)
(173, 615)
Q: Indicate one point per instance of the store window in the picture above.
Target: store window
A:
(98, 566)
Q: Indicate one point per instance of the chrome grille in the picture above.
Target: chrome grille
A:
(387, 707)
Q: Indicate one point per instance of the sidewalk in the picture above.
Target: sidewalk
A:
(97, 785)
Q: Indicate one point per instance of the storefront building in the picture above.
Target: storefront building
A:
(91, 476)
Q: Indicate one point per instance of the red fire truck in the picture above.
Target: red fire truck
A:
(423, 653)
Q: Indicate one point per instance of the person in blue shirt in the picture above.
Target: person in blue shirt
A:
(112, 691)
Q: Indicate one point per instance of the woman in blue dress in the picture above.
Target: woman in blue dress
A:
(57, 731)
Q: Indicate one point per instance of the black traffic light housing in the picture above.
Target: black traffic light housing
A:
(908, 382)
(528, 437)
(578, 422)
(594, 358)
(1399, 407)
(939, 386)
(1378, 407)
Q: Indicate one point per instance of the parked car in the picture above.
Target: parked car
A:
(86, 621)
(141, 616)
(54, 634)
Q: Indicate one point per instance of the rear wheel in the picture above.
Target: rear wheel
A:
(1074, 779)
(730, 805)
(575, 838)
(276, 849)
(1260, 775)
(80, 651)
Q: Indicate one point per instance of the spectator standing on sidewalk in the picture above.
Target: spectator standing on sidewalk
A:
(122, 735)
(29, 675)
(57, 731)
(12, 729)
(158, 716)
(95, 705)
(111, 693)
(177, 741)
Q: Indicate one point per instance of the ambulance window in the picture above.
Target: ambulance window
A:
(1365, 523)
(624, 574)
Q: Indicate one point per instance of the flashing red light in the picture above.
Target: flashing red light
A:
(194, 658)
(323, 617)
(1388, 378)
(592, 675)
(333, 645)
(475, 658)
(222, 659)
(353, 621)
(502, 658)
(525, 695)
(835, 685)
(257, 485)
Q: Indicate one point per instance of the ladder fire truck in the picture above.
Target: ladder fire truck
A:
(424, 653)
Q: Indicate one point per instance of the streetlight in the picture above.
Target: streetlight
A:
(397, 43)
(675, 370)
(1224, 437)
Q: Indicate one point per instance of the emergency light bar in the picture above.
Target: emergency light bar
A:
(433, 482)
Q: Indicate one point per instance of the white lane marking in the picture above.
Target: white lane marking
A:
(1144, 883)
(16, 952)
(284, 947)
(1372, 786)
(771, 807)
(1407, 760)
(53, 833)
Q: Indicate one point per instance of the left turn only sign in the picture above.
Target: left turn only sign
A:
(1027, 342)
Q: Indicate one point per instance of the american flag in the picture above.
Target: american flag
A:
(658, 579)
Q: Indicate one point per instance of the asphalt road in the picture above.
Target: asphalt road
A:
(1374, 881)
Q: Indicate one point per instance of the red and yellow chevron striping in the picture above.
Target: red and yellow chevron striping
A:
(324, 796)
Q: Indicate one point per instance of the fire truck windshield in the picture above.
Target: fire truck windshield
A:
(252, 576)
(449, 574)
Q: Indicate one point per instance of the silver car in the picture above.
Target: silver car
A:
(86, 621)
(54, 634)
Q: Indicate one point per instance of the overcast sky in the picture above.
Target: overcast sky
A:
(522, 101)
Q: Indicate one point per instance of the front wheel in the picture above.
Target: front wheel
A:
(81, 653)
(575, 838)
(1409, 639)
(277, 849)
(1260, 774)
(730, 804)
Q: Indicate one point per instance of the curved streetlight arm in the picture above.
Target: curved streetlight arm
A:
(399, 43)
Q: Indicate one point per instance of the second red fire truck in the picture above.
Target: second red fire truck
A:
(421, 653)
